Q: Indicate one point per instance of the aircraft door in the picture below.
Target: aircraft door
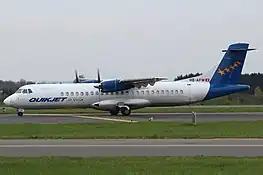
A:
(189, 93)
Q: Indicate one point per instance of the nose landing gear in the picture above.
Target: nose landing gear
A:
(20, 112)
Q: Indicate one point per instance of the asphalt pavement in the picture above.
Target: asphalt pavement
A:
(168, 147)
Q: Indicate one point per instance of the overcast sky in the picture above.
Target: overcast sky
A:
(48, 39)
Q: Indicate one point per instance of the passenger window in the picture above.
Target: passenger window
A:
(24, 91)
(61, 93)
(111, 93)
(67, 94)
(77, 94)
(122, 92)
(157, 92)
(181, 91)
(72, 93)
(117, 93)
(147, 92)
(30, 91)
(172, 91)
(132, 93)
(91, 93)
(87, 93)
(142, 92)
(152, 91)
(97, 92)
(162, 91)
(176, 91)
(82, 93)
(167, 91)
(137, 92)
(127, 92)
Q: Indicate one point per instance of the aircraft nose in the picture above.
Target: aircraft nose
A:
(7, 101)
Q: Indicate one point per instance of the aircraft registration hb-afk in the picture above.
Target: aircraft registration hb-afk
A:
(125, 95)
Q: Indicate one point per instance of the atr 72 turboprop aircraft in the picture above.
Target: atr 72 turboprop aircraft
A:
(125, 95)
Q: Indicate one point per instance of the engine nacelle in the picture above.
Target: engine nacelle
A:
(104, 105)
(113, 86)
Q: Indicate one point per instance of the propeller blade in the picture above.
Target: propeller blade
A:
(98, 73)
(77, 78)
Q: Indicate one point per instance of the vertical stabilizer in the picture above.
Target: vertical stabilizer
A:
(228, 71)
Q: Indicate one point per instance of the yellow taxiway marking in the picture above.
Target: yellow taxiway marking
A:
(109, 119)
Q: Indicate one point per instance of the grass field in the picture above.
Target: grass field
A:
(144, 110)
(134, 130)
(132, 166)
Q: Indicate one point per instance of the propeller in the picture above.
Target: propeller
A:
(99, 80)
(77, 77)
(98, 73)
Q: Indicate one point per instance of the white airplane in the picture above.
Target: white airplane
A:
(125, 95)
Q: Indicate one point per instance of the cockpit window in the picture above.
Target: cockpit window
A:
(24, 91)
(19, 91)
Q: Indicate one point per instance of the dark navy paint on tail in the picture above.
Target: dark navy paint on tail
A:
(230, 68)
(224, 81)
(222, 90)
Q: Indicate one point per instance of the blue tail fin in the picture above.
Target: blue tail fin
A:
(225, 77)
(230, 68)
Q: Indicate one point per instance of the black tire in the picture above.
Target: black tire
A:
(20, 113)
(125, 111)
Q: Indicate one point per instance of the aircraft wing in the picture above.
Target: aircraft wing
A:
(138, 82)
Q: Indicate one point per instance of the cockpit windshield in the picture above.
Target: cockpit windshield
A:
(18, 91)
(24, 91)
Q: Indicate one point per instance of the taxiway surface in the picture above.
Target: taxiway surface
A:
(135, 117)
(90, 148)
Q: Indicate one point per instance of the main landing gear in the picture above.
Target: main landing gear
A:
(125, 110)
(20, 112)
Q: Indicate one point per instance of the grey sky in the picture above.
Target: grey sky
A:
(48, 39)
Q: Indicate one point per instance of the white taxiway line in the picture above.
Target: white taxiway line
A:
(108, 119)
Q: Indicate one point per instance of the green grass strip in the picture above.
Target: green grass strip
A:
(132, 166)
(241, 129)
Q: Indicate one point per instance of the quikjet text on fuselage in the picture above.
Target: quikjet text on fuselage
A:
(50, 99)
(54, 99)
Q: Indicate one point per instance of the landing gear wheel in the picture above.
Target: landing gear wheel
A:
(125, 111)
(20, 113)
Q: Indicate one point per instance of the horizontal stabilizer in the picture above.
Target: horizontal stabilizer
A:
(238, 49)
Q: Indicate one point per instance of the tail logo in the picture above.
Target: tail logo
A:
(229, 69)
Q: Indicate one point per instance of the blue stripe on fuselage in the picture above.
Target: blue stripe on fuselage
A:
(218, 90)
